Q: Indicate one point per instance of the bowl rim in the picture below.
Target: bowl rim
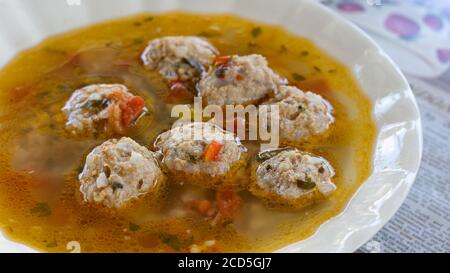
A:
(319, 241)
(369, 233)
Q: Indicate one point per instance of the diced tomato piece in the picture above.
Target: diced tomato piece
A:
(319, 86)
(179, 92)
(118, 96)
(178, 87)
(212, 151)
(20, 93)
(124, 110)
(203, 207)
(228, 202)
(133, 110)
(222, 60)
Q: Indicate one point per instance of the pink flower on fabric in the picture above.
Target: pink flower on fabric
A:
(443, 55)
(350, 7)
(403, 26)
(433, 21)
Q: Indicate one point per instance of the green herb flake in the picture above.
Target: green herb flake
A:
(133, 227)
(304, 53)
(263, 156)
(298, 77)
(138, 40)
(283, 49)
(175, 242)
(204, 34)
(317, 69)
(41, 210)
(51, 244)
(53, 50)
(43, 94)
(148, 19)
(306, 185)
(207, 34)
(64, 87)
(115, 186)
(97, 105)
(193, 158)
(256, 32)
(114, 44)
(194, 64)
(79, 169)
(321, 169)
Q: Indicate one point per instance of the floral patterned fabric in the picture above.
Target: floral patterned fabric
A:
(415, 33)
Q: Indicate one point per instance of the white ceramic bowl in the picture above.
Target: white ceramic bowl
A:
(24, 23)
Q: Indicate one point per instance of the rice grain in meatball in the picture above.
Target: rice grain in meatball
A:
(238, 80)
(179, 57)
(291, 177)
(302, 114)
(118, 171)
(201, 153)
(102, 108)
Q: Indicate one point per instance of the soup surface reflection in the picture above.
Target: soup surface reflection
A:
(40, 202)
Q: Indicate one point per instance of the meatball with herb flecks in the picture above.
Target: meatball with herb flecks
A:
(100, 108)
(291, 177)
(118, 171)
(301, 114)
(238, 80)
(179, 58)
(201, 153)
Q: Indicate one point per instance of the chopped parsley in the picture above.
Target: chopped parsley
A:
(298, 77)
(41, 210)
(115, 186)
(133, 227)
(306, 185)
(321, 169)
(256, 32)
(174, 242)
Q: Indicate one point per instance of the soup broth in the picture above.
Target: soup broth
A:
(40, 202)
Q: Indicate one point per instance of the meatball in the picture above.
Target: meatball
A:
(291, 177)
(118, 171)
(201, 153)
(102, 108)
(238, 80)
(179, 57)
(302, 114)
